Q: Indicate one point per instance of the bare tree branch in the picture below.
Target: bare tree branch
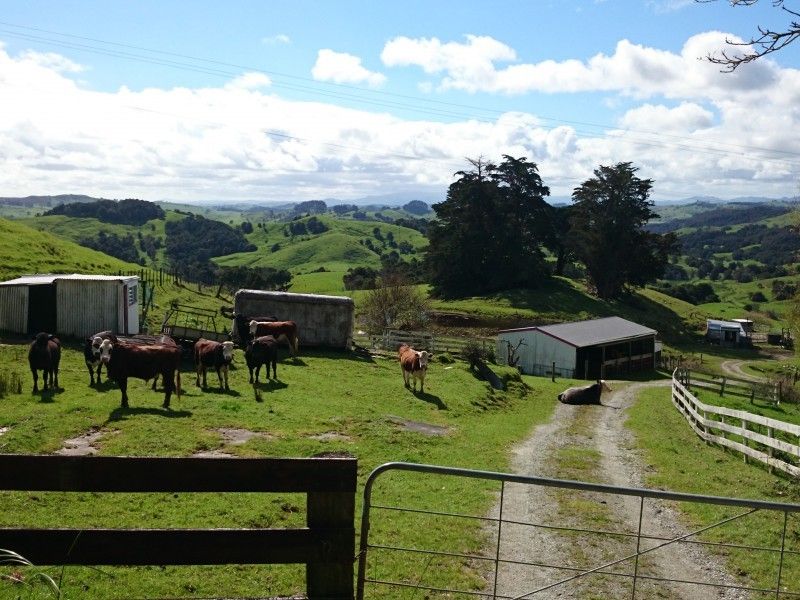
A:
(766, 42)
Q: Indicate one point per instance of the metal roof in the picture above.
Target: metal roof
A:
(592, 332)
(720, 324)
(50, 278)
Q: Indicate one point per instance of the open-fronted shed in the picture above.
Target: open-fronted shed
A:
(608, 347)
(325, 321)
(70, 305)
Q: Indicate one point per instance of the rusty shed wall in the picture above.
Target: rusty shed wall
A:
(86, 306)
(321, 320)
(14, 308)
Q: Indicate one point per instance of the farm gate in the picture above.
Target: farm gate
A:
(392, 571)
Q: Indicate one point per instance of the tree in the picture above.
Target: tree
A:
(489, 231)
(393, 303)
(607, 231)
(766, 42)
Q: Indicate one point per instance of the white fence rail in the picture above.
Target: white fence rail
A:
(766, 440)
(422, 340)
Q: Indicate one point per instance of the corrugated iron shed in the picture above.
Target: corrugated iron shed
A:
(593, 331)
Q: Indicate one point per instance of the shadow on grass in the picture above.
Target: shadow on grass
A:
(121, 413)
(47, 396)
(431, 399)
(270, 385)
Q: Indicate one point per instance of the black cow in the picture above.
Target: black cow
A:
(262, 351)
(91, 353)
(44, 355)
(588, 394)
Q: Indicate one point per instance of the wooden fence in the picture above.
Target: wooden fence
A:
(731, 386)
(326, 545)
(422, 340)
(769, 441)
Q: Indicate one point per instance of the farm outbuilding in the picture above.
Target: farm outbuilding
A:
(70, 305)
(734, 333)
(325, 321)
(592, 349)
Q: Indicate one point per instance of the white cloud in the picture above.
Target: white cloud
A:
(238, 140)
(274, 40)
(340, 67)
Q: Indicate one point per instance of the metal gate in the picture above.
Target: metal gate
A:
(628, 571)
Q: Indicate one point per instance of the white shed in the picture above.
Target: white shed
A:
(607, 347)
(70, 305)
(729, 333)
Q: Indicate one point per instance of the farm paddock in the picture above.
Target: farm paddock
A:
(325, 402)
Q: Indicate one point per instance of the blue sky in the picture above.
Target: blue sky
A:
(276, 101)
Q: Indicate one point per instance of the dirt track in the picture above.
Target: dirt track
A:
(595, 434)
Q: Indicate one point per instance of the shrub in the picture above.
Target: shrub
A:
(394, 304)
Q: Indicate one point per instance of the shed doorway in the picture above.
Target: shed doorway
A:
(42, 308)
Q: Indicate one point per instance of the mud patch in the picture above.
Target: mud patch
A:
(419, 427)
(212, 454)
(331, 436)
(237, 437)
(83, 445)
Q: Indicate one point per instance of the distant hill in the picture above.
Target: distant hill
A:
(47, 200)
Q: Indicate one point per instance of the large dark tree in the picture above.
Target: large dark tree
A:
(489, 231)
(607, 231)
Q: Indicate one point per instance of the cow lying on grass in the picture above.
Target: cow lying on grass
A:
(588, 394)
(125, 359)
(277, 329)
(44, 355)
(211, 354)
(414, 365)
(262, 351)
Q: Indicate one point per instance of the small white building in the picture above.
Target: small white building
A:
(608, 347)
(70, 305)
(735, 333)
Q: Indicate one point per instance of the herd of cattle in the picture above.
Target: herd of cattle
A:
(148, 357)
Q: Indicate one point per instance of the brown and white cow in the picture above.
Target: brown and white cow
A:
(124, 359)
(278, 330)
(211, 354)
(44, 355)
(91, 353)
(414, 365)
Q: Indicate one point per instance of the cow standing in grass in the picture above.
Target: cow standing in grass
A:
(44, 355)
(211, 354)
(279, 330)
(414, 365)
(262, 351)
(91, 353)
(588, 394)
(125, 359)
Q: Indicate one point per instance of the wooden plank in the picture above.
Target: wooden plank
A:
(135, 474)
(332, 576)
(760, 438)
(175, 547)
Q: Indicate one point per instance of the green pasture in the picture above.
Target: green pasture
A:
(678, 460)
(321, 402)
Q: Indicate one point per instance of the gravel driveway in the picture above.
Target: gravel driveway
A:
(595, 435)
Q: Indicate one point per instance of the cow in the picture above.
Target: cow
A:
(241, 324)
(414, 365)
(208, 353)
(588, 394)
(278, 330)
(91, 353)
(125, 359)
(262, 350)
(44, 355)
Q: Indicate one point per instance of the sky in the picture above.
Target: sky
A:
(266, 101)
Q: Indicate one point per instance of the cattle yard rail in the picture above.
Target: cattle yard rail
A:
(769, 441)
(326, 545)
(422, 340)
(504, 554)
(187, 324)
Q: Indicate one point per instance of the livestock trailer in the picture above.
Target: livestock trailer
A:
(733, 333)
(608, 347)
(323, 321)
(70, 305)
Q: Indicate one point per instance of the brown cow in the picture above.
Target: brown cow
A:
(208, 353)
(44, 355)
(277, 329)
(124, 359)
(414, 365)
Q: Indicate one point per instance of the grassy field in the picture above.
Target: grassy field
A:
(321, 402)
(680, 461)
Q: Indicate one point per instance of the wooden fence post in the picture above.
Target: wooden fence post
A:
(744, 439)
(722, 387)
